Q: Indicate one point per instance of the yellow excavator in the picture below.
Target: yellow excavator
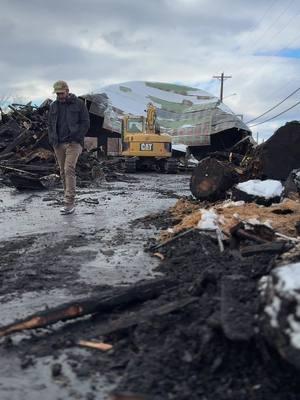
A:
(143, 146)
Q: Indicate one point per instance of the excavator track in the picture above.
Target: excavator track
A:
(170, 166)
(130, 165)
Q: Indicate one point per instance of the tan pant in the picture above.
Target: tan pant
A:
(67, 155)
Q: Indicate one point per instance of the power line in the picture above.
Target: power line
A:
(292, 41)
(266, 12)
(260, 20)
(274, 22)
(262, 17)
(269, 119)
(271, 109)
(282, 29)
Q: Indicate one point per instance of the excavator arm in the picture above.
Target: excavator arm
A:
(151, 119)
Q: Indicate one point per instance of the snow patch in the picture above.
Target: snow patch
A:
(267, 189)
(284, 284)
(179, 147)
(289, 278)
(208, 221)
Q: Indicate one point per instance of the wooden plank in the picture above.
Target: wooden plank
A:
(95, 345)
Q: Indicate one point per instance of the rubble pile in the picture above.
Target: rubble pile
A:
(26, 157)
(193, 334)
(213, 347)
(283, 217)
(223, 321)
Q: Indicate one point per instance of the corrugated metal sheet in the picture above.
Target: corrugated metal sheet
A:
(187, 114)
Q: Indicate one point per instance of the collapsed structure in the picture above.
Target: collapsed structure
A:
(192, 117)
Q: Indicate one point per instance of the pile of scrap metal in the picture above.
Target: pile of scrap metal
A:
(27, 160)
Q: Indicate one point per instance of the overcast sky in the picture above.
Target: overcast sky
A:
(92, 43)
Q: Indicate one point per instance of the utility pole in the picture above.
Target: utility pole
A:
(222, 77)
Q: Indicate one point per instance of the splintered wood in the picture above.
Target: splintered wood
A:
(281, 217)
(95, 345)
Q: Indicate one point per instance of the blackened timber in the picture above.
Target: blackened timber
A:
(23, 182)
(125, 322)
(270, 248)
(6, 156)
(124, 297)
(22, 116)
(19, 139)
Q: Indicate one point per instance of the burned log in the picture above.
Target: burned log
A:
(109, 301)
(212, 178)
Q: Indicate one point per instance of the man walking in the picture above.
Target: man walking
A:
(68, 124)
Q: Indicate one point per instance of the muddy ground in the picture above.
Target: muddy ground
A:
(48, 259)
(199, 340)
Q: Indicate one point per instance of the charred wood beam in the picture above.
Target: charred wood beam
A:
(20, 171)
(30, 167)
(126, 322)
(108, 302)
(270, 248)
(20, 114)
(6, 156)
(19, 139)
(239, 232)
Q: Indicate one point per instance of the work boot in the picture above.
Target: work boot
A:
(67, 209)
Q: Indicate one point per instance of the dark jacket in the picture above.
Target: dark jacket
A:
(77, 118)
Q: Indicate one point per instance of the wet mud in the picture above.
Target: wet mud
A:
(48, 259)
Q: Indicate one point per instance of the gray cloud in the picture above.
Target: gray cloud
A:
(95, 42)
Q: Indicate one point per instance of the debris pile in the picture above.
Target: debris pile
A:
(257, 176)
(192, 334)
(223, 322)
(26, 157)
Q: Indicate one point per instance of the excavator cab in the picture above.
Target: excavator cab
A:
(142, 145)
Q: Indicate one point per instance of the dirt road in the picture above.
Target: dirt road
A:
(48, 259)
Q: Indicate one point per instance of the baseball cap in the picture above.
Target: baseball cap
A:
(60, 86)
